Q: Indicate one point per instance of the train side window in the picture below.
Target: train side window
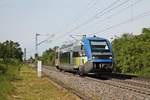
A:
(76, 54)
(57, 55)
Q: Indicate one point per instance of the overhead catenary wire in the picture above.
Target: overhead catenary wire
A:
(120, 11)
(89, 5)
(106, 10)
(126, 21)
(90, 19)
(92, 3)
(140, 16)
(116, 25)
(45, 40)
(102, 12)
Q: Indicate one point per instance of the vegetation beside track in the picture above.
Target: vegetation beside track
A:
(48, 57)
(30, 87)
(132, 53)
(10, 74)
(10, 64)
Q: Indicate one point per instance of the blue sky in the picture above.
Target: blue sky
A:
(21, 19)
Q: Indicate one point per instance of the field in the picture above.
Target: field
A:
(29, 87)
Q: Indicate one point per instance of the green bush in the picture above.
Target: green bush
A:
(3, 68)
(10, 64)
(132, 52)
(48, 57)
(5, 87)
(10, 73)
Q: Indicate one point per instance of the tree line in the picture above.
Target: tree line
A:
(10, 53)
(48, 57)
(10, 49)
(132, 52)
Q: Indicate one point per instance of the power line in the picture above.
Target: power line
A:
(103, 12)
(96, 15)
(45, 40)
(85, 10)
(120, 11)
(126, 21)
(86, 22)
(119, 5)
(94, 3)
(37, 44)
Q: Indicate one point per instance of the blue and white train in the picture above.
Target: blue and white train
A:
(89, 55)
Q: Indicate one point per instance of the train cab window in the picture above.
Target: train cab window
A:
(99, 46)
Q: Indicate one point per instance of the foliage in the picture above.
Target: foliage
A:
(10, 49)
(33, 88)
(11, 73)
(10, 53)
(132, 52)
(5, 87)
(10, 64)
(48, 57)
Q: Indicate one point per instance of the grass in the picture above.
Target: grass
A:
(5, 87)
(143, 73)
(33, 88)
(10, 73)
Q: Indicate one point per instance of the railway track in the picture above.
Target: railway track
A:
(135, 83)
(128, 84)
(80, 95)
(123, 85)
(138, 83)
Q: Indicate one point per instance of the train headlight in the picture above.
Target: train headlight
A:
(110, 57)
(93, 57)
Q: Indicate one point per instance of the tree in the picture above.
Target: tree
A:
(10, 50)
(10, 54)
(132, 52)
(48, 57)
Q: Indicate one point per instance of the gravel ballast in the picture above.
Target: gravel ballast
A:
(94, 89)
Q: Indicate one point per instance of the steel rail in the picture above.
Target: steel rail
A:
(77, 93)
(122, 84)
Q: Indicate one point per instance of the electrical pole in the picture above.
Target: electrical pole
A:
(37, 44)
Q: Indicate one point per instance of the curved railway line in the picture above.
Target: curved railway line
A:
(137, 86)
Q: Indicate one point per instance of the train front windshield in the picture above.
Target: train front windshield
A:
(98, 46)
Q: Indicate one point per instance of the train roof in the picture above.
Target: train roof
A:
(94, 38)
(75, 46)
